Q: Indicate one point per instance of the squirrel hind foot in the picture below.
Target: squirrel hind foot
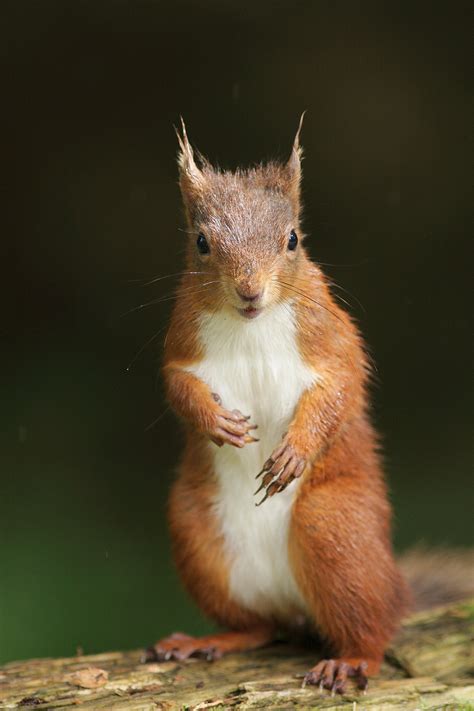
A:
(333, 674)
(178, 647)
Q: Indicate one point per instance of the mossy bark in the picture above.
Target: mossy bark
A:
(429, 666)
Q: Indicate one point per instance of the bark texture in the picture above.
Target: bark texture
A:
(429, 666)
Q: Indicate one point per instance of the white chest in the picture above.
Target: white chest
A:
(255, 366)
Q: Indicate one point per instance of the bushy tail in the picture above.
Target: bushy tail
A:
(438, 576)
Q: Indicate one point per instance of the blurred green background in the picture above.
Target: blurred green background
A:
(90, 209)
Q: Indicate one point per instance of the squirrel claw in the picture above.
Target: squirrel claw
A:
(262, 486)
(266, 467)
(333, 674)
(272, 489)
(282, 468)
(259, 503)
(231, 427)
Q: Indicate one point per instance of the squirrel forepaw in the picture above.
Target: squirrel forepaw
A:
(230, 427)
(284, 465)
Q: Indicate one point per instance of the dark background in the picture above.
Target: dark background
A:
(90, 91)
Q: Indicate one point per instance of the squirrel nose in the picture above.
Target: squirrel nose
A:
(245, 296)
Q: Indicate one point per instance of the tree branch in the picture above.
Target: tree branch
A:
(428, 666)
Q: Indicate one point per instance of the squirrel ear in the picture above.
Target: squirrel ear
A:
(293, 165)
(191, 179)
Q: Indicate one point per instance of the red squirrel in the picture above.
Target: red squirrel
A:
(279, 515)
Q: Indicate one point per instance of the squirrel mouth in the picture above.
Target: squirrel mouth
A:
(250, 312)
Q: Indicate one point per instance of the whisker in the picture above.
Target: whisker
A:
(354, 264)
(169, 297)
(343, 300)
(285, 305)
(169, 276)
(331, 282)
(152, 424)
(334, 284)
(146, 280)
(188, 232)
(147, 344)
(196, 312)
(291, 287)
(144, 347)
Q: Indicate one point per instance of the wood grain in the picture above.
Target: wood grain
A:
(430, 665)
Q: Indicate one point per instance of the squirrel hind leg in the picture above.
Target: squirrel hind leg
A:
(333, 674)
(181, 646)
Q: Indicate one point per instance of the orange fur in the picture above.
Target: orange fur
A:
(341, 551)
(339, 538)
(181, 646)
(197, 544)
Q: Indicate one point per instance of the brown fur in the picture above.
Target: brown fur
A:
(340, 530)
(340, 545)
(197, 543)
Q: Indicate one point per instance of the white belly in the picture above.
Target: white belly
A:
(255, 366)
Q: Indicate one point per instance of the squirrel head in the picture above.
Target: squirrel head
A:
(243, 227)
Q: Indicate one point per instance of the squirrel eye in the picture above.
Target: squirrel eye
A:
(202, 245)
(293, 240)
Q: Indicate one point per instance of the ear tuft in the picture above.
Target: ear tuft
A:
(293, 165)
(191, 177)
(294, 161)
(296, 143)
(185, 153)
